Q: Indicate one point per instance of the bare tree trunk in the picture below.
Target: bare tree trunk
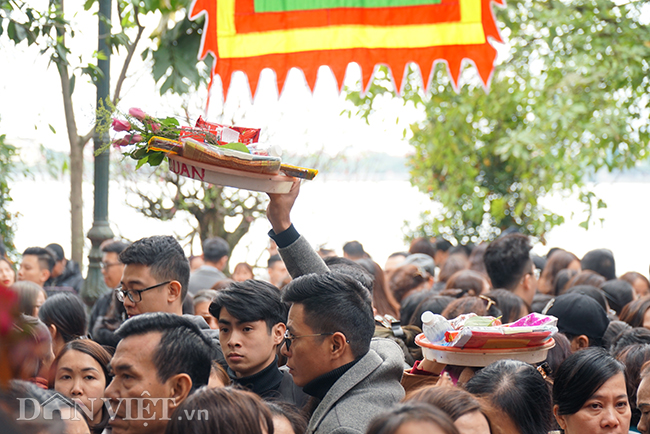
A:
(76, 155)
(76, 201)
(76, 168)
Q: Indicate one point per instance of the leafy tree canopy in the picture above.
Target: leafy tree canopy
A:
(171, 55)
(569, 98)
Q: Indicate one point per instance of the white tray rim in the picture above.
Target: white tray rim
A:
(217, 175)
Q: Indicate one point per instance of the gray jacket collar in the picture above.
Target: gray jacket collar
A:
(382, 364)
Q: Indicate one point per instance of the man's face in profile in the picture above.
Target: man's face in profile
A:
(30, 270)
(136, 376)
(308, 355)
(112, 269)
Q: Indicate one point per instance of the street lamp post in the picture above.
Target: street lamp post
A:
(94, 285)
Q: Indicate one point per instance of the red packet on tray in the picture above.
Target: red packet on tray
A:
(530, 331)
(229, 134)
(499, 337)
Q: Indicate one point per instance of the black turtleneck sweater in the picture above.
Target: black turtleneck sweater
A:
(265, 383)
(319, 386)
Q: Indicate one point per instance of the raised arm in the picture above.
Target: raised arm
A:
(297, 254)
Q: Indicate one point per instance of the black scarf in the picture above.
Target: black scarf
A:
(319, 386)
(265, 383)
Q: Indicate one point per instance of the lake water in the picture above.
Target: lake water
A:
(334, 211)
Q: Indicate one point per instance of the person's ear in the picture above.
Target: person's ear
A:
(560, 419)
(221, 263)
(579, 343)
(583, 342)
(174, 291)
(53, 331)
(180, 387)
(526, 282)
(338, 345)
(45, 275)
(277, 333)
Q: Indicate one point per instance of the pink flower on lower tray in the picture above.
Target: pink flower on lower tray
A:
(120, 125)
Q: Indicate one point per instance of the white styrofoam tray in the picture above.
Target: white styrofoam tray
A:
(480, 357)
(224, 176)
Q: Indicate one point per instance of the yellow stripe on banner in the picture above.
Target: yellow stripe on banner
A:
(226, 17)
(468, 31)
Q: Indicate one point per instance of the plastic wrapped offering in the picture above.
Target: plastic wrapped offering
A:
(483, 332)
(515, 335)
(230, 134)
(229, 158)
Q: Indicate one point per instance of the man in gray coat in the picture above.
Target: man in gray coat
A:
(332, 355)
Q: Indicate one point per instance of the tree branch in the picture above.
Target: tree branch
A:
(129, 57)
(86, 138)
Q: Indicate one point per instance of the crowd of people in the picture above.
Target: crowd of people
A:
(323, 344)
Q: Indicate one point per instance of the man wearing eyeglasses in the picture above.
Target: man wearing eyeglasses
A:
(155, 279)
(329, 353)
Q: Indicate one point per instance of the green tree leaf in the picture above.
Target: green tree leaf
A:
(568, 100)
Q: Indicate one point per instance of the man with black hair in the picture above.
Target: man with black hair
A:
(351, 268)
(354, 250)
(160, 360)
(277, 270)
(329, 353)
(252, 320)
(215, 258)
(65, 273)
(601, 261)
(509, 266)
(155, 279)
(36, 265)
